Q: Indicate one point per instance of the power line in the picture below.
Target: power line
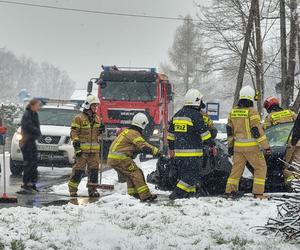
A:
(95, 11)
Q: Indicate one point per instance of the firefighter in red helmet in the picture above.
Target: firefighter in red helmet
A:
(278, 115)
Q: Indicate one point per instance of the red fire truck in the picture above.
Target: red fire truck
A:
(124, 92)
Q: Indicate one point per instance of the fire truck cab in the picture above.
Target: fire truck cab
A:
(124, 92)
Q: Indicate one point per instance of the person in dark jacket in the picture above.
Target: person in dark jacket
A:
(187, 135)
(30, 129)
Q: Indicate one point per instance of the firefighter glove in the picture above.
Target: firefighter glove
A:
(268, 151)
(76, 145)
(213, 151)
(230, 151)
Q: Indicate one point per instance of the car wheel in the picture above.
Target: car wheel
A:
(16, 169)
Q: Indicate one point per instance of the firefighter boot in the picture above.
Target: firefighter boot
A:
(178, 194)
(262, 197)
(151, 198)
(93, 179)
(74, 182)
(234, 195)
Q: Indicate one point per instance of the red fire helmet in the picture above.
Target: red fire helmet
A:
(271, 101)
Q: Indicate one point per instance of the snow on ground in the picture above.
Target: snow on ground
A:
(120, 222)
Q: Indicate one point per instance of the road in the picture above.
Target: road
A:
(47, 178)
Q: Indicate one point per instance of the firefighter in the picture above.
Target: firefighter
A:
(277, 115)
(86, 130)
(246, 142)
(124, 149)
(187, 134)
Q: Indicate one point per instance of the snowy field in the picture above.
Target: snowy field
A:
(119, 222)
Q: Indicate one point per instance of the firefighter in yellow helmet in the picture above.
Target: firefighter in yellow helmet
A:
(277, 115)
(246, 142)
(86, 129)
(124, 149)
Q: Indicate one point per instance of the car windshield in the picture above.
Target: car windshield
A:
(129, 91)
(56, 117)
(278, 135)
(221, 127)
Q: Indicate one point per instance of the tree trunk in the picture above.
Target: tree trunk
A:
(284, 98)
(243, 62)
(259, 58)
(296, 105)
(290, 80)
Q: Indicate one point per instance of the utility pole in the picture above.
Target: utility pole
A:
(284, 99)
(259, 67)
(243, 62)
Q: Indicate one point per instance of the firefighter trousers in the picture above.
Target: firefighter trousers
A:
(188, 172)
(257, 161)
(89, 162)
(292, 155)
(134, 176)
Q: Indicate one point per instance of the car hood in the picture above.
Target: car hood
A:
(55, 130)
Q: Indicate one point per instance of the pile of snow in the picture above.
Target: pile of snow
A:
(120, 222)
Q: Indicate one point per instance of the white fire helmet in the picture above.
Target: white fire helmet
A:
(89, 100)
(247, 92)
(140, 120)
(193, 97)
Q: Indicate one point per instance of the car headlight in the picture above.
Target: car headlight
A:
(155, 132)
(19, 136)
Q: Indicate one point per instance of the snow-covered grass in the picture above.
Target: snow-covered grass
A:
(120, 222)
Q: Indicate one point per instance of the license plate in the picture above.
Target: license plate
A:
(47, 148)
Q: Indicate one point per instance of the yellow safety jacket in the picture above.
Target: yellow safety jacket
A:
(278, 117)
(86, 132)
(128, 144)
(242, 121)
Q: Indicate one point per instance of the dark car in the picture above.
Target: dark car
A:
(217, 169)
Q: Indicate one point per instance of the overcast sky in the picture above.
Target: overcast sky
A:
(80, 43)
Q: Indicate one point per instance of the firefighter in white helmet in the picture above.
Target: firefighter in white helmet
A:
(86, 129)
(124, 149)
(187, 135)
(246, 142)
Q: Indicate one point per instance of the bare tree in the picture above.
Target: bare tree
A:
(290, 80)
(240, 78)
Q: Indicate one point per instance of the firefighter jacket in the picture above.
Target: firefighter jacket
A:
(129, 143)
(86, 131)
(210, 124)
(188, 132)
(244, 130)
(277, 117)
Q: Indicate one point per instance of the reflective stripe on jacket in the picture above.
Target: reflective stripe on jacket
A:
(278, 117)
(187, 133)
(129, 143)
(86, 132)
(242, 121)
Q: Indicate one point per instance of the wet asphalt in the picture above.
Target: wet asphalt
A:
(47, 178)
